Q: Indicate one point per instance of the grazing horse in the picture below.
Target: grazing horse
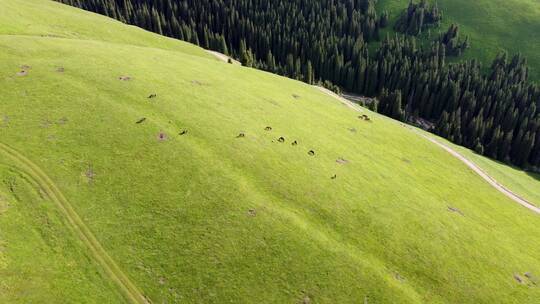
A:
(152, 96)
(268, 129)
(183, 132)
(364, 117)
(281, 139)
(141, 120)
(294, 143)
(311, 153)
(241, 135)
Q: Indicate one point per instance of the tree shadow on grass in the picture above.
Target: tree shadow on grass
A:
(534, 175)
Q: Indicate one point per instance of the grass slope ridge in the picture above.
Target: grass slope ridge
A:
(55, 20)
(208, 217)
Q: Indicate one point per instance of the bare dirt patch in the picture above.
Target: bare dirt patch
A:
(125, 78)
(199, 83)
(51, 35)
(342, 161)
(306, 300)
(455, 210)
(224, 57)
(398, 277)
(45, 123)
(352, 130)
(295, 96)
(162, 136)
(532, 279)
(4, 122)
(272, 102)
(62, 121)
(22, 73)
(60, 69)
(90, 174)
(252, 212)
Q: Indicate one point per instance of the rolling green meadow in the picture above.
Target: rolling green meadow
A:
(492, 26)
(213, 217)
(523, 183)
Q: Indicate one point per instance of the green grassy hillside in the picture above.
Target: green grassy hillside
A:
(525, 184)
(207, 217)
(49, 19)
(492, 25)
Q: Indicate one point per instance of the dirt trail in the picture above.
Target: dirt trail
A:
(129, 290)
(516, 198)
(222, 57)
(482, 174)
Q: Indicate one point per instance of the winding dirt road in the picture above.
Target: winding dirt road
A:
(516, 198)
(223, 57)
(482, 174)
(128, 289)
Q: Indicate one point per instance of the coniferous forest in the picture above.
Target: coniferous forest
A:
(493, 110)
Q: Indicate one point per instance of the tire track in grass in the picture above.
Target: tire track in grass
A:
(488, 178)
(128, 289)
